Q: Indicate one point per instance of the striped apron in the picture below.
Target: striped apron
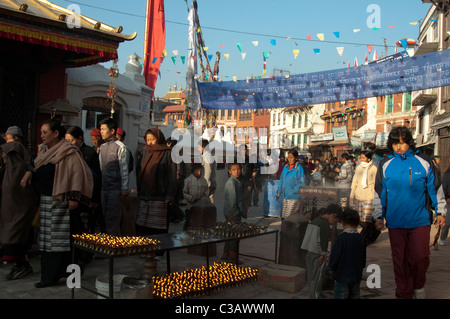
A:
(54, 233)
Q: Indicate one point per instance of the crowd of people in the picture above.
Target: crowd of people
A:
(402, 190)
(69, 187)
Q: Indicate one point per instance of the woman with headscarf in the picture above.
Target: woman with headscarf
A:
(17, 209)
(291, 179)
(157, 185)
(64, 181)
(362, 194)
(87, 216)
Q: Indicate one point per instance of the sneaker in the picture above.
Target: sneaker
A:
(441, 242)
(419, 293)
(18, 272)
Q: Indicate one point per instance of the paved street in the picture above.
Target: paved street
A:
(437, 286)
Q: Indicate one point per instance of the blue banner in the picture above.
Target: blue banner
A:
(398, 75)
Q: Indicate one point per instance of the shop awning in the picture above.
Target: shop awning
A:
(339, 142)
(59, 107)
(314, 144)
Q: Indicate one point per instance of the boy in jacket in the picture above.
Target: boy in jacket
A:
(114, 166)
(315, 242)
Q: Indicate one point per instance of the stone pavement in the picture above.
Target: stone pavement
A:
(437, 285)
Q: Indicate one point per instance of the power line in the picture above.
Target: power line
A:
(228, 30)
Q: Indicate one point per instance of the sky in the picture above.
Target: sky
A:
(279, 27)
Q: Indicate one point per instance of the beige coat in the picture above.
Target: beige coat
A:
(357, 191)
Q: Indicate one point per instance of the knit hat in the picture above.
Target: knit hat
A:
(95, 132)
(119, 131)
(14, 130)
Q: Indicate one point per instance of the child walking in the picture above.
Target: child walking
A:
(348, 257)
(315, 242)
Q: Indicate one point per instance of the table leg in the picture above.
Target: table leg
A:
(73, 261)
(208, 279)
(111, 279)
(276, 247)
(237, 251)
(168, 261)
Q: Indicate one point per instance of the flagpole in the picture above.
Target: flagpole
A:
(145, 33)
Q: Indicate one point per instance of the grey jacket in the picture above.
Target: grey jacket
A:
(345, 175)
(233, 208)
(114, 165)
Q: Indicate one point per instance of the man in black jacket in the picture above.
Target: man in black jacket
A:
(446, 187)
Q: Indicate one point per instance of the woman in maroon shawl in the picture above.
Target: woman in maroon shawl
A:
(18, 207)
(157, 185)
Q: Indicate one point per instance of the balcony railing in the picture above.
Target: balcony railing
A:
(423, 97)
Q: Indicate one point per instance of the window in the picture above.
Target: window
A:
(306, 120)
(273, 119)
(292, 140)
(299, 121)
(284, 118)
(435, 29)
(293, 121)
(279, 118)
(407, 101)
(305, 139)
(389, 104)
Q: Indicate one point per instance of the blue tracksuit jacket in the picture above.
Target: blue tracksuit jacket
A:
(290, 182)
(408, 190)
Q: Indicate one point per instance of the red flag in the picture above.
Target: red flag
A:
(155, 41)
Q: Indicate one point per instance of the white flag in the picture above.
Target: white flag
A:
(192, 61)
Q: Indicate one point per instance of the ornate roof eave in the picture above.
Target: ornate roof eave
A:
(53, 19)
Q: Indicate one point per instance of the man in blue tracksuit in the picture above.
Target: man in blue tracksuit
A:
(408, 190)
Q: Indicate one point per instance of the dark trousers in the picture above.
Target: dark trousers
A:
(147, 231)
(343, 290)
(54, 266)
(410, 255)
(112, 211)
